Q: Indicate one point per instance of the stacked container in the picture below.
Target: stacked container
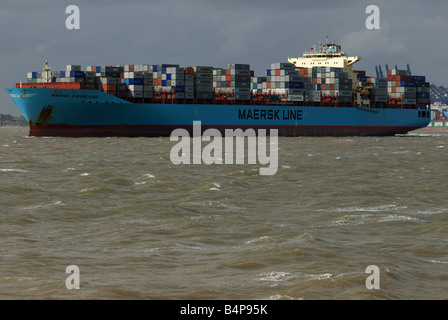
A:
(148, 91)
(169, 78)
(257, 84)
(134, 82)
(403, 88)
(332, 83)
(189, 83)
(238, 80)
(234, 82)
(378, 85)
(219, 80)
(203, 82)
(423, 91)
(282, 78)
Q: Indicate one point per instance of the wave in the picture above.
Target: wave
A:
(350, 220)
(387, 207)
(47, 205)
(277, 276)
(216, 187)
(438, 261)
(15, 170)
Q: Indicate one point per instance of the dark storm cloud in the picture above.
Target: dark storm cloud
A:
(210, 32)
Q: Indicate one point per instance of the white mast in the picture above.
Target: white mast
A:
(46, 69)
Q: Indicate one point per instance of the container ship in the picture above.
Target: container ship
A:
(439, 117)
(318, 94)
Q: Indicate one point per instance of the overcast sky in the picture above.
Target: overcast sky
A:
(212, 32)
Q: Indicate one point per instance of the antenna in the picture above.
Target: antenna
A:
(409, 68)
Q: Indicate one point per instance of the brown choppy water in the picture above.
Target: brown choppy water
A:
(139, 227)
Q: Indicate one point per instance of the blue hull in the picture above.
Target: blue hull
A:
(66, 112)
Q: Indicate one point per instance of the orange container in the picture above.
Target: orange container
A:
(55, 85)
(109, 87)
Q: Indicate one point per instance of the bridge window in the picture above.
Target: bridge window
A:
(423, 114)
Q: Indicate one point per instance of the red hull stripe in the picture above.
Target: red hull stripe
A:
(165, 130)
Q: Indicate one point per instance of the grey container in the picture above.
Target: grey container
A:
(242, 96)
(238, 66)
(203, 82)
(204, 95)
(380, 98)
(203, 69)
(204, 88)
(203, 76)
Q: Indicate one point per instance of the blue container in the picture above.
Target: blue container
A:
(178, 89)
(322, 80)
(318, 87)
(34, 75)
(154, 68)
(423, 84)
(287, 85)
(298, 85)
(423, 94)
(268, 72)
(408, 84)
(419, 78)
(163, 69)
(164, 83)
(223, 84)
(286, 65)
(77, 74)
(255, 85)
(168, 76)
(126, 81)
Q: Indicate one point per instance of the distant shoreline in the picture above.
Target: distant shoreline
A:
(14, 126)
(12, 121)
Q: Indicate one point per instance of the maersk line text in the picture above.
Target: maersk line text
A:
(270, 114)
(213, 152)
